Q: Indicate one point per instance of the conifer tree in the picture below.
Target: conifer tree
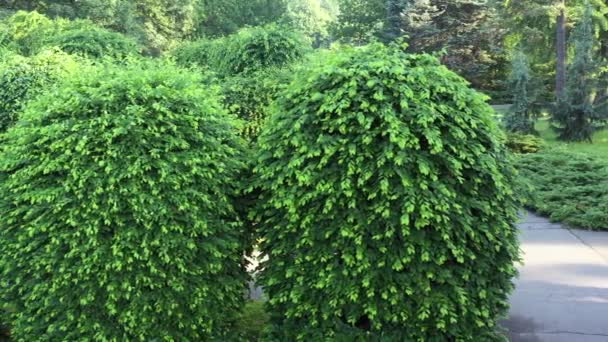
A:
(576, 116)
(520, 117)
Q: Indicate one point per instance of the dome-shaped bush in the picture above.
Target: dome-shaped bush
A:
(386, 207)
(22, 79)
(95, 42)
(199, 53)
(118, 221)
(258, 48)
(28, 32)
(249, 50)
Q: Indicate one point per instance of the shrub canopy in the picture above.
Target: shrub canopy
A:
(28, 31)
(386, 207)
(95, 42)
(249, 50)
(22, 79)
(118, 221)
(31, 32)
(252, 66)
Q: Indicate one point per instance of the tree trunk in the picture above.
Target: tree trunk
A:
(560, 79)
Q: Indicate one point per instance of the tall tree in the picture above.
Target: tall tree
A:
(576, 114)
(520, 118)
(541, 28)
(395, 9)
(560, 72)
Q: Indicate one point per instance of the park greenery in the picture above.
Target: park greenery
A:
(148, 147)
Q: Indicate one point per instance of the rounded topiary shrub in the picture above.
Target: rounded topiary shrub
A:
(95, 42)
(386, 208)
(201, 53)
(28, 32)
(247, 51)
(118, 216)
(22, 79)
(257, 48)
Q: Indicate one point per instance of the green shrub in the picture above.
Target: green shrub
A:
(568, 187)
(249, 50)
(252, 65)
(22, 79)
(386, 207)
(524, 143)
(258, 48)
(118, 217)
(249, 96)
(95, 42)
(199, 53)
(28, 31)
(252, 322)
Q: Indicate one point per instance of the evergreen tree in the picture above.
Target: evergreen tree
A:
(541, 28)
(520, 117)
(576, 115)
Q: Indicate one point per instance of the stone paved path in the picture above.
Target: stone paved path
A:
(562, 291)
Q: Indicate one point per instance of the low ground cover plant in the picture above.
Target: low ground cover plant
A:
(386, 207)
(119, 221)
(567, 186)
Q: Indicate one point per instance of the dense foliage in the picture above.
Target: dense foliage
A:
(252, 66)
(27, 32)
(30, 32)
(521, 114)
(250, 96)
(524, 143)
(21, 79)
(568, 187)
(386, 208)
(249, 50)
(94, 42)
(118, 217)
(201, 53)
(576, 115)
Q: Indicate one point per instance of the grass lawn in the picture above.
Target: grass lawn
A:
(598, 148)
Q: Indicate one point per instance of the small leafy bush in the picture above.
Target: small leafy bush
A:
(249, 96)
(117, 198)
(386, 206)
(22, 79)
(249, 50)
(258, 48)
(252, 322)
(28, 32)
(568, 187)
(524, 143)
(200, 53)
(95, 42)
(252, 66)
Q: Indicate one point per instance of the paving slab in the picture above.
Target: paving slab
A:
(562, 291)
(596, 240)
